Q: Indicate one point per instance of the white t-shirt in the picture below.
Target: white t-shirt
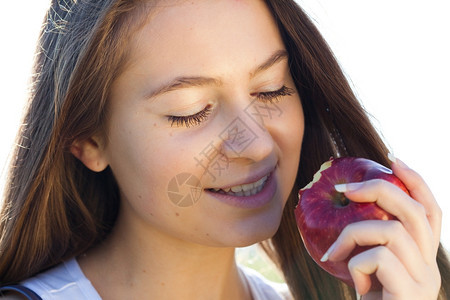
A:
(67, 281)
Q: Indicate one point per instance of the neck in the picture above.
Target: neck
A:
(160, 266)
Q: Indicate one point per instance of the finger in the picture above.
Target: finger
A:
(420, 191)
(392, 199)
(391, 234)
(389, 270)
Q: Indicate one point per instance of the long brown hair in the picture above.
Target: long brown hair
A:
(55, 208)
(335, 125)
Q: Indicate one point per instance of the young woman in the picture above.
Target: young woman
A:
(160, 135)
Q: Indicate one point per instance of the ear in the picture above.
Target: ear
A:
(90, 152)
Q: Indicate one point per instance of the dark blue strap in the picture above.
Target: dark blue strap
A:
(22, 290)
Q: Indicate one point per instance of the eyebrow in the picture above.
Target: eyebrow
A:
(196, 81)
(184, 82)
(272, 60)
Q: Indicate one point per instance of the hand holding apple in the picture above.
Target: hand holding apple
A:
(323, 212)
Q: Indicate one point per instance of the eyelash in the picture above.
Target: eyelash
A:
(275, 96)
(201, 116)
(191, 120)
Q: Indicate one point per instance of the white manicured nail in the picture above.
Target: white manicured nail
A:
(327, 254)
(392, 158)
(341, 188)
(348, 187)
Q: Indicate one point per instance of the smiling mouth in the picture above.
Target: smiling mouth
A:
(249, 189)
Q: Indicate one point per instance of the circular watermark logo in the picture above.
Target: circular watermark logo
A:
(184, 189)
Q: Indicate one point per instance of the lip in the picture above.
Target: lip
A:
(250, 202)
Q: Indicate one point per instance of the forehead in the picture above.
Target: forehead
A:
(203, 36)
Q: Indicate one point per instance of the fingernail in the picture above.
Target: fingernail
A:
(392, 158)
(347, 187)
(397, 161)
(327, 254)
(341, 188)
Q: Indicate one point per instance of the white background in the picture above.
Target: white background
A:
(395, 52)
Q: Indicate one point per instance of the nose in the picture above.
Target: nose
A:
(246, 137)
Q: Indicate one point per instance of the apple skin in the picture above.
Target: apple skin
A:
(322, 212)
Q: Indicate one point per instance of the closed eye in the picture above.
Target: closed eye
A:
(191, 120)
(201, 116)
(274, 96)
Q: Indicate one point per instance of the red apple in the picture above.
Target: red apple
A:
(322, 212)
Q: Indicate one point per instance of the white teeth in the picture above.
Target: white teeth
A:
(237, 188)
(261, 181)
(245, 189)
(249, 186)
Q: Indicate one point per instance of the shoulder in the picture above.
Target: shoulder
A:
(264, 289)
(64, 281)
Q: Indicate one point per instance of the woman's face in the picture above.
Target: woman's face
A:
(207, 95)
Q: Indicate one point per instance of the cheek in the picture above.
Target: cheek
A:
(291, 137)
(134, 154)
(144, 160)
(291, 126)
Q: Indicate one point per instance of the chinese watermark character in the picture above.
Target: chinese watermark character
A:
(238, 136)
(259, 111)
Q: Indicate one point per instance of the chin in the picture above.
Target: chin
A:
(254, 229)
(259, 237)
